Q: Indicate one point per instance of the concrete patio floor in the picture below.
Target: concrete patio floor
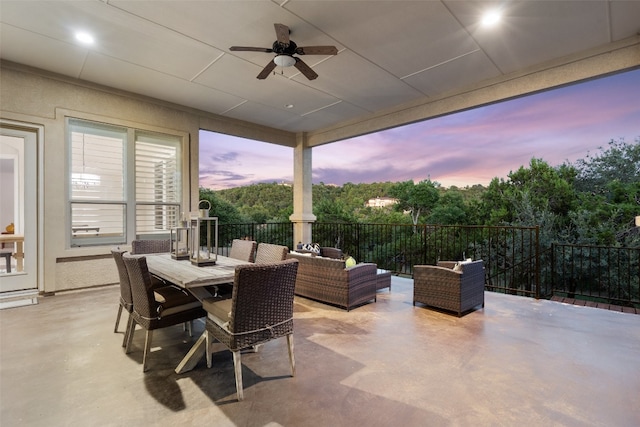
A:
(516, 362)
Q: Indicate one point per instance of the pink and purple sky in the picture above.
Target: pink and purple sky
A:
(460, 149)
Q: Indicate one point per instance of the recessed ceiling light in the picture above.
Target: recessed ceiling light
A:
(84, 37)
(491, 18)
(288, 106)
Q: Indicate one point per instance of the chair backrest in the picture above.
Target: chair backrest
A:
(263, 297)
(268, 253)
(329, 252)
(473, 270)
(125, 285)
(243, 250)
(144, 302)
(150, 246)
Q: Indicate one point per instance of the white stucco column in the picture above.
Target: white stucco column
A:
(302, 216)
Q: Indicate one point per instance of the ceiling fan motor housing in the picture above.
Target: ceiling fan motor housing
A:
(284, 49)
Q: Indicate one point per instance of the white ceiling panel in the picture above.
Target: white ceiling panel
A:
(533, 32)
(265, 115)
(329, 115)
(458, 73)
(625, 18)
(133, 78)
(355, 88)
(44, 52)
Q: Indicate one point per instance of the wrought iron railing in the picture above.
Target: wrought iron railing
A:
(596, 273)
(514, 262)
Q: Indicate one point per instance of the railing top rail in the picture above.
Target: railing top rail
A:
(516, 227)
(573, 245)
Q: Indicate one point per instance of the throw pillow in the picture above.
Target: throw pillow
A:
(311, 247)
(350, 262)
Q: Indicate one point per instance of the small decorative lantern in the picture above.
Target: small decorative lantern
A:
(180, 248)
(204, 240)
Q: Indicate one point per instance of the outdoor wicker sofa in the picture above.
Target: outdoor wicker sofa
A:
(447, 287)
(327, 280)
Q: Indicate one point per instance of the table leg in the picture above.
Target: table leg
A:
(7, 259)
(191, 359)
(19, 255)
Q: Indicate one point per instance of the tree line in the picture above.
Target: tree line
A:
(593, 201)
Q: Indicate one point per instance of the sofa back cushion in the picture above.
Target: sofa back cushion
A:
(331, 252)
(317, 262)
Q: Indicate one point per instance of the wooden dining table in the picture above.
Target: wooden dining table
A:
(194, 279)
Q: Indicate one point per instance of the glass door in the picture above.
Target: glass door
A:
(19, 208)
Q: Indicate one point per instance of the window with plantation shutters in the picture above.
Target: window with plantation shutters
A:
(97, 183)
(121, 190)
(157, 184)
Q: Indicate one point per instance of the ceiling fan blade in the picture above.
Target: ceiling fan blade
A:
(282, 33)
(317, 50)
(267, 70)
(251, 49)
(305, 69)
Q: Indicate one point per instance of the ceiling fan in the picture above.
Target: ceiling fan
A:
(285, 48)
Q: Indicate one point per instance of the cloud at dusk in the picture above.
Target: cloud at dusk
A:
(461, 149)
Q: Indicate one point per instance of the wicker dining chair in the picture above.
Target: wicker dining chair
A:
(260, 310)
(449, 287)
(243, 250)
(161, 293)
(150, 246)
(126, 301)
(153, 310)
(268, 253)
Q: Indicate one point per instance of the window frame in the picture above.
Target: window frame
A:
(129, 202)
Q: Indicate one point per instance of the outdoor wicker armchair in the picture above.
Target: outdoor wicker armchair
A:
(457, 289)
(260, 310)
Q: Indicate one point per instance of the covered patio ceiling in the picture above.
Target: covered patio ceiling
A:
(398, 61)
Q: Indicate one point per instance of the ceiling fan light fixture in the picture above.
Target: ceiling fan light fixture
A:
(284, 60)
